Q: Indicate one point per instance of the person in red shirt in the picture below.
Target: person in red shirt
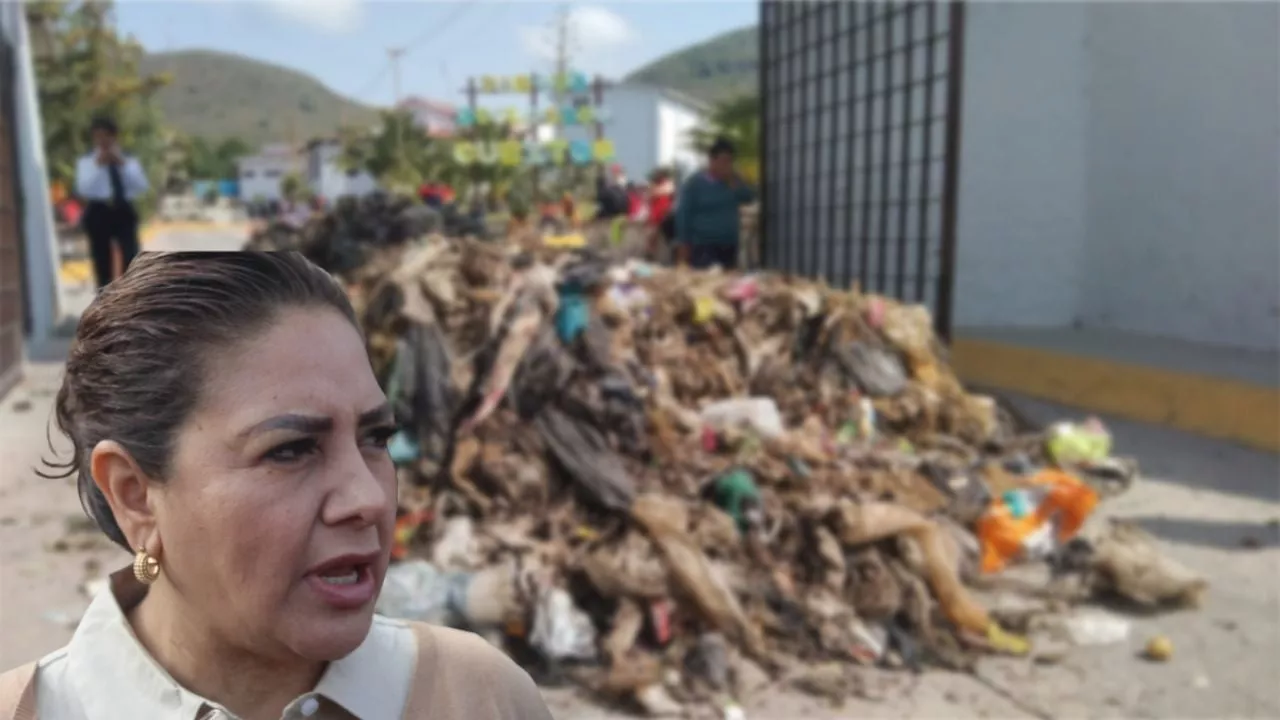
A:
(635, 201)
(662, 195)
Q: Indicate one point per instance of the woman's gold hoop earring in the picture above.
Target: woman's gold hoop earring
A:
(145, 568)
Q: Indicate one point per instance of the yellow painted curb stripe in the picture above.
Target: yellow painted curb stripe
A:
(1214, 407)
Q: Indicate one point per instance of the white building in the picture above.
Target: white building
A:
(29, 306)
(1091, 182)
(327, 178)
(649, 127)
(261, 175)
(437, 119)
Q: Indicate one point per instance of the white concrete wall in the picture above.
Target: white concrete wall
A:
(1120, 168)
(1022, 203)
(333, 181)
(1184, 171)
(261, 177)
(633, 127)
(39, 239)
(675, 121)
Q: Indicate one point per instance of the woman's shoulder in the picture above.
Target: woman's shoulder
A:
(21, 686)
(465, 667)
(465, 653)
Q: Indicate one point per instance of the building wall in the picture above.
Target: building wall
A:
(28, 280)
(260, 177)
(1022, 199)
(329, 180)
(633, 128)
(1184, 171)
(1123, 172)
(675, 122)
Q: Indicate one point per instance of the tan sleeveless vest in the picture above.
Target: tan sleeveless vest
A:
(434, 690)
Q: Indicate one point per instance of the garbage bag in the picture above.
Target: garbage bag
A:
(425, 400)
(876, 371)
(562, 631)
(583, 450)
(417, 590)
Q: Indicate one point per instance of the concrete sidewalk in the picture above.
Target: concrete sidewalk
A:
(162, 236)
(1214, 505)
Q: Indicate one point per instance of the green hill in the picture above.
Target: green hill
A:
(723, 66)
(217, 95)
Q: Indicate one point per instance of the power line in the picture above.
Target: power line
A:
(373, 82)
(431, 33)
(364, 89)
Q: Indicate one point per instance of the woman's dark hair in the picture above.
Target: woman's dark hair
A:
(137, 364)
(722, 146)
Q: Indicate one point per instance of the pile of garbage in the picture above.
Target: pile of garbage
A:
(661, 483)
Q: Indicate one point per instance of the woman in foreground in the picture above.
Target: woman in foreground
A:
(229, 433)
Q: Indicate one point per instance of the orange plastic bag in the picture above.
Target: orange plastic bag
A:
(1019, 522)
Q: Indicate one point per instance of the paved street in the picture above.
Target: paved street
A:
(77, 276)
(1213, 505)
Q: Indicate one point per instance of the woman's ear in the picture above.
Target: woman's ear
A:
(127, 491)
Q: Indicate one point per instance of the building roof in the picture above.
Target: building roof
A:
(685, 99)
(428, 105)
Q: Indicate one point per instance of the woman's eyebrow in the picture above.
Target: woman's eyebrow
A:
(317, 424)
(310, 424)
(377, 416)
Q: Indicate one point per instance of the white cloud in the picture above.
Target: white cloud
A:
(594, 33)
(334, 16)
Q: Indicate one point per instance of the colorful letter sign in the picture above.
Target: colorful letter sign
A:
(578, 111)
(574, 83)
(513, 152)
(568, 115)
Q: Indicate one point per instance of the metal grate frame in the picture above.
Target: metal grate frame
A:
(861, 132)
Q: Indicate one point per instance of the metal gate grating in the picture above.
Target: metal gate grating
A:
(861, 123)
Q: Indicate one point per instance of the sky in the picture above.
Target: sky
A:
(344, 42)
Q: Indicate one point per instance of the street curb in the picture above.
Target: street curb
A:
(1214, 407)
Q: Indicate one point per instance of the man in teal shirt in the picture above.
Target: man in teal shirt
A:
(707, 219)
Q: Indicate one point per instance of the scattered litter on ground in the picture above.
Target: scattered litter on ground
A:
(1096, 628)
(1159, 649)
(681, 488)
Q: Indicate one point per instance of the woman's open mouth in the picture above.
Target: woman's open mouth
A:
(345, 583)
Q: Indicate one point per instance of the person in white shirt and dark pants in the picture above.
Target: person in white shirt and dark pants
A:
(108, 181)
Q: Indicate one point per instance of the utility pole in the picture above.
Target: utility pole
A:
(563, 37)
(562, 50)
(395, 54)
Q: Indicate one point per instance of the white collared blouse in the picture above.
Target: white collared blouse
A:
(105, 673)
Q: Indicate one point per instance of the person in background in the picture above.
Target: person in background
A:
(109, 181)
(661, 223)
(611, 194)
(569, 210)
(707, 217)
(637, 208)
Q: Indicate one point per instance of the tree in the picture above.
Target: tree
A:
(400, 156)
(397, 154)
(209, 161)
(291, 187)
(83, 69)
(738, 121)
